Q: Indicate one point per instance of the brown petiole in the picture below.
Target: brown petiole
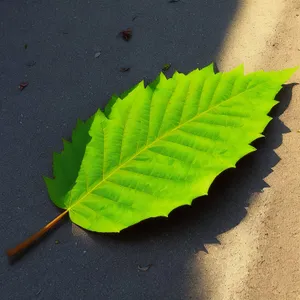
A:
(28, 242)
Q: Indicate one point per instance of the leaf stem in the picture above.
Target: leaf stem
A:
(28, 242)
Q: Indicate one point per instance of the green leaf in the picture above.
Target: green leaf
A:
(67, 163)
(161, 146)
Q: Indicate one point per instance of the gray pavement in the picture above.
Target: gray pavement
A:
(67, 82)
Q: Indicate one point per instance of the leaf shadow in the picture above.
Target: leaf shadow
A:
(229, 196)
(170, 244)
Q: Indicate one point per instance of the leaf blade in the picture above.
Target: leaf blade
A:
(164, 144)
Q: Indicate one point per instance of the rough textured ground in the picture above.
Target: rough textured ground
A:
(260, 258)
(252, 253)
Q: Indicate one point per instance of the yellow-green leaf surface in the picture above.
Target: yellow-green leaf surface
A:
(159, 147)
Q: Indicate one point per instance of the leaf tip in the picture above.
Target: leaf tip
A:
(65, 142)
(284, 75)
(240, 69)
(79, 122)
(211, 67)
(142, 83)
(48, 181)
(291, 71)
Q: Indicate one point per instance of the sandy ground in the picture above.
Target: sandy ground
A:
(214, 250)
(262, 255)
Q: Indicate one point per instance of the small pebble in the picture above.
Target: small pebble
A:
(144, 269)
(30, 63)
(166, 67)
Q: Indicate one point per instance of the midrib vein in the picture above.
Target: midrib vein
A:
(152, 143)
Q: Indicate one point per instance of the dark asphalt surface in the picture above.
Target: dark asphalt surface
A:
(68, 82)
